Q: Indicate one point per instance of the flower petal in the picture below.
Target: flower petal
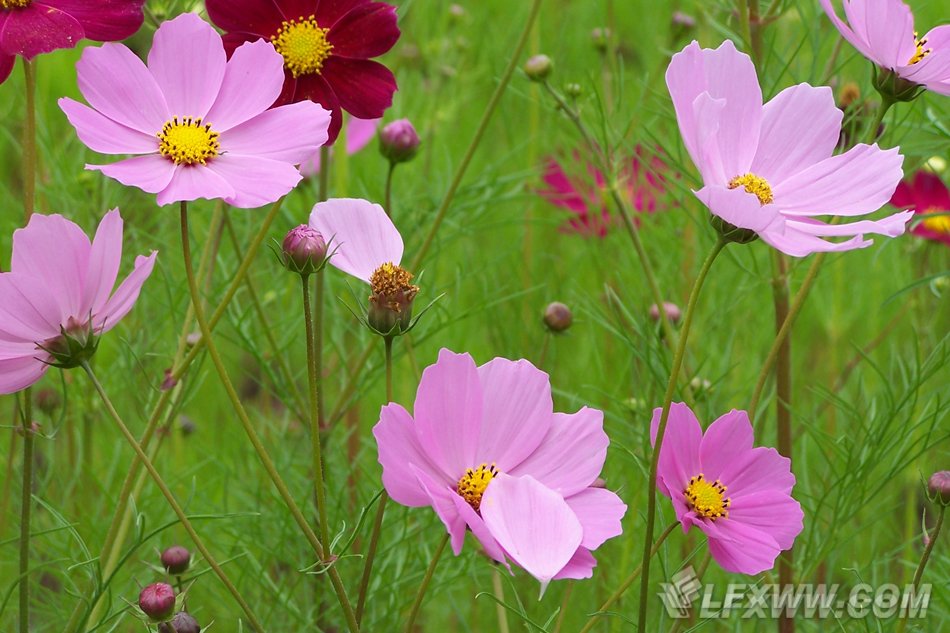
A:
(190, 182)
(442, 499)
(328, 12)
(101, 134)
(600, 511)
(889, 28)
(359, 132)
(361, 236)
(399, 453)
(287, 133)
(55, 251)
(771, 511)
(104, 259)
(369, 30)
(254, 181)
(533, 523)
(740, 548)
(756, 470)
(29, 311)
(126, 294)
(188, 62)
(261, 18)
(252, 64)
(16, 374)
(6, 66)
(104, 20)
(855, 34)
(517, 411)
(726, 440)
(739, 208)
(150, 173)
(37, 29)
(480, 530)
(316, 89)
(365, 88)
(679, 453)
(572, 454)
(580, 567)
(796, 243)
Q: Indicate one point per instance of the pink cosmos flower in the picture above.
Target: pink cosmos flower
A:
(769, 169)
(359, 132)
(929, 197)
(31, 27)
(486, 451)
(883, 31)
(199, 123)
(739, 496)
(586, 200)
(60, 284)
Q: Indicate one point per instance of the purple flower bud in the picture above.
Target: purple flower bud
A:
(558, 317)
(157, 601)
(538, 67)
(48, 400)
(176, 559)
(398, 141)
(181, 623)
(672, 310)
(683, 20)
(304, 250)
(939, 487)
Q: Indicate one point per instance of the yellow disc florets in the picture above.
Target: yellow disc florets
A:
(937, 223)
(390, 282)
(303, 44)
(755, 185)
(188, 141)
(707, 499)
(921, 52)
(473, 483)
(14, 4)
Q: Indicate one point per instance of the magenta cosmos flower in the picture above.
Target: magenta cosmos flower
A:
(199, 123)
(359, 132)
(326, 45)
(883, 31)
(769, 169)
(485, 449)
(585, 199)
(60, 286)
(930, 199)
(31, 27)
(739, 496)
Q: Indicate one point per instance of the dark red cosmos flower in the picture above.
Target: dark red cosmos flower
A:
(585, 195)
(326, 45)
(926, 195)
(31, 27)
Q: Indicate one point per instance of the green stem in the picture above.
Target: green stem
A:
(389, 189)
(479, 134)
(315, 447)
(318, 349)
(383, 498)
(882, 111)
(29, 140)
(420, 595)
(661, 429)
(170, 498)
(25, 509)
(249, 429)
(632, 578)
(930, 546)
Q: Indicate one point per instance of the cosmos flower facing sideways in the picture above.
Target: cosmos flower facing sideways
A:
(930, 199)
(31, 27)
(739, 496)
(769, 170)
(484, 448)
(883, 31)
(58, 296)
(199, 123)
(326, 47)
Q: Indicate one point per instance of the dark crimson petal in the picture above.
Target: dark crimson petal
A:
(367, 31)
(247, 16)
(904, 196)
(365, 88)
(38, 29)
(330, 11)
(931, 192)
(105, 20)
(288, 92)
(6, 66)
(296, 9)
(316, 89)
(233, 40)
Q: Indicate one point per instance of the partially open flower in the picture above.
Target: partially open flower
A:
(176, 560)
(157, 601)
(181, 623)
(303, 250)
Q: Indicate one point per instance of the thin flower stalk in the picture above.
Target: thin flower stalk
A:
(26, 506)
(424, 586)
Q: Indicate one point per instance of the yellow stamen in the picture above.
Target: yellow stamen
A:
(391, 282)
(937, 223)
(706, 499)
(754, 184)
(303, 45)
(188, 141)
(921, 51)
(14, 4)
(473, 483)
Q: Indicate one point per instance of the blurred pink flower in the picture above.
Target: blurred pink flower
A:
(200, 123)
(883, 31)
(486, 451)
(359, 132)
(739, 496)
(926, 196)
(585, 196)
(31, 27)
(770, 169)
(60, 283)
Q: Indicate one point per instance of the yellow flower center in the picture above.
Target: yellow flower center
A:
(921, 52)
(754, 184)
(473, 483)
(14, 4)
(937, 223)
(303, 45)
(391, 283)
(705, 498)
(188, 141)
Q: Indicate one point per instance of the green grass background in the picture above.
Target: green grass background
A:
(860, 452)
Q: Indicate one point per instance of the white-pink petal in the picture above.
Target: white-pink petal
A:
(361, 236)
(56, 251)
(254, 64)
(288, 133)
(600, 512)
(101, 134)
(254, 181)
(187, 60)
(104, 259)
(399, 454)
(126, 294)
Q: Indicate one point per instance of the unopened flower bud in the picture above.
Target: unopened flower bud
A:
(558, 317)
(181, 623)
(538, 67)
(936, 164)
(683, 20)
(673, 313)
(157, 601)
(303, 250)
(601, 38)
(186, 425)
(456, 11)
(939, 487)
(192, 339)
(572, 90)
(398, 141)
(390, 305)
(48, 400)
(176, 560)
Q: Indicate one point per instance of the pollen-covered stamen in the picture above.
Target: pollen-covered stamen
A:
(755, 185)
(391, 283)
(707, 499)
(473, 483)
(303, 45)
(937, 220)
(921, 52)
(188, 141)
(14, 4)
